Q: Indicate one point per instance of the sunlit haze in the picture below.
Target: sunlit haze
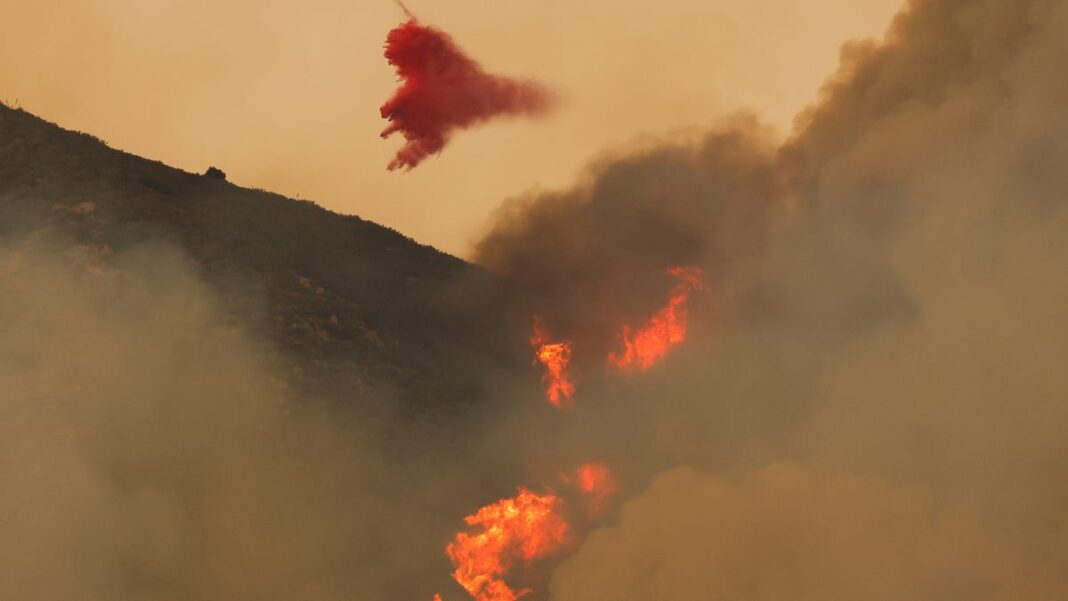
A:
(287, 98)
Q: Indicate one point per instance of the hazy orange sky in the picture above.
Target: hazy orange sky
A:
(285, 95)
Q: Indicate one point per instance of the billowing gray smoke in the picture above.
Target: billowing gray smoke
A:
(874, 395)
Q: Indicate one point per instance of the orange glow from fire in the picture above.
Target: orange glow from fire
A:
(526, 527)
(555, 356)
(666, 328)
(597, 485)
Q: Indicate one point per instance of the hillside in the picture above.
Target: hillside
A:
(354, 307)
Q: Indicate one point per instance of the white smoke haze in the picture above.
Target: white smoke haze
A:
(790, 532)
(150, 449)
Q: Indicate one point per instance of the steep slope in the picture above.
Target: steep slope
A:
(357, 309)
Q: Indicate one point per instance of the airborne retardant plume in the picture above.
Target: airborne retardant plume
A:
(444, 90)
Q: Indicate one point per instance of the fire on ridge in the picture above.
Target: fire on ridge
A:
(641, 348)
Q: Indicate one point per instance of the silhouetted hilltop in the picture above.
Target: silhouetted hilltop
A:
(355, 307)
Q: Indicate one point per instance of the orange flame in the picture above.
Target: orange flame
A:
(666, 328)
(526, 527)
(597, 485)
(555, 356)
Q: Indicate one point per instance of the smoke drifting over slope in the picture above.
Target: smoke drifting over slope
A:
(445, 90)
(150, 450)
(787, 532)
(886, 319)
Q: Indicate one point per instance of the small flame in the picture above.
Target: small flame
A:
(526, 527)
(666, 328)
(595, 482)
(555, 356)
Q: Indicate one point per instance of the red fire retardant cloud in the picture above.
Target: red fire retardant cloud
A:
(444, 90)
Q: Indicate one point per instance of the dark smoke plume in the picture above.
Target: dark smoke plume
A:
(872, 403)
(445, 90)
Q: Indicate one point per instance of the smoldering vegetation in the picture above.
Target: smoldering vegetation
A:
(872, 401)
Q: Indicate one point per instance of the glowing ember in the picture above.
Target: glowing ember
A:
(666, 328)
(525, 527)
(555, 356)
(596, 484)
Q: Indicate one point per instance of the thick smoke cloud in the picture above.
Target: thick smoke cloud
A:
(885, 317)
(151, 449)
(790, 532)
(445, 90)
(596, 257)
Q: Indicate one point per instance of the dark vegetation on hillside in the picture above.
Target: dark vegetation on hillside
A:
(357, 310)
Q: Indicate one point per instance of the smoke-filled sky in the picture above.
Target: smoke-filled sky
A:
(285, 96)
(870, 404)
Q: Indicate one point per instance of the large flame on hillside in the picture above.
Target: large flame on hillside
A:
(526, 527)
(555, 356)
(530, 526)
(646, 346)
